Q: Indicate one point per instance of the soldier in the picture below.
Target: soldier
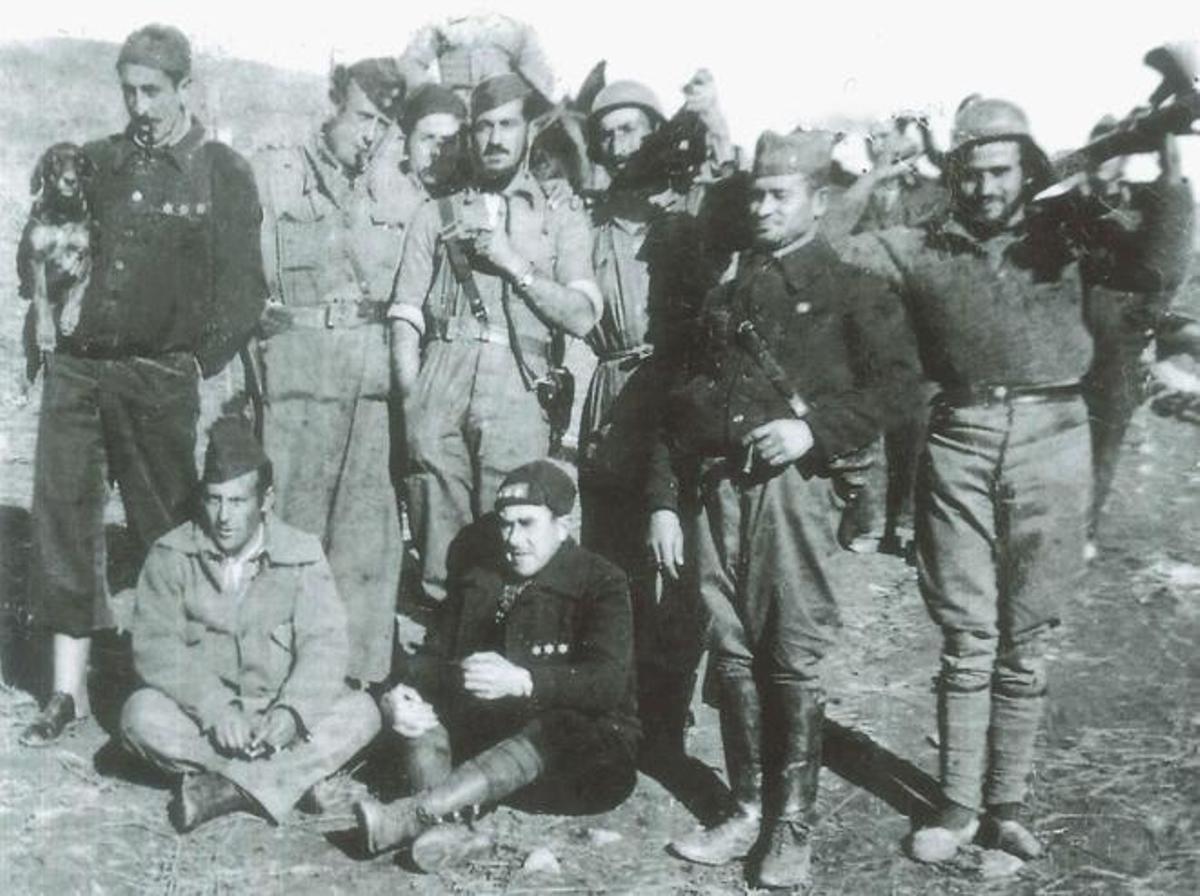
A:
(1000, 295)
(331, 242)
(1124, 323)
(651, 263)
(488, 277)
(536, 695)
(239, 635)
(176, 286)
(798, 360)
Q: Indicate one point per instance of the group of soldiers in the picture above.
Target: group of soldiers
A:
(755, 332)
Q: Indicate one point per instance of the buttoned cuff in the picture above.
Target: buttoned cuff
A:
(592, 291)
(409, 314)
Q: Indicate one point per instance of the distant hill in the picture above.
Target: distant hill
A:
(66, 89)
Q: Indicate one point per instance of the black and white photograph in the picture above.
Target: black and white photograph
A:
(611, 448)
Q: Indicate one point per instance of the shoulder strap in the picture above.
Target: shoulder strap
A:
(458, 262)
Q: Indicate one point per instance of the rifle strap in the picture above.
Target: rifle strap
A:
(459, 264)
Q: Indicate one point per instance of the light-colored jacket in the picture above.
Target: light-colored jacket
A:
(282, 643)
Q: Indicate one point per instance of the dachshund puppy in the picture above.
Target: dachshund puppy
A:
(54, 257)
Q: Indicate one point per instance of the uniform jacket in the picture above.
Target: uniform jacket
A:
(1016, 308)
(330, 241)
(840, 336)
(554, 237)
(571, 628)
(283, 643)
(176, 261)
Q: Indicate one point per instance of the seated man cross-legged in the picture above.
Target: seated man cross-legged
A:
(534, 697)
(241, 639)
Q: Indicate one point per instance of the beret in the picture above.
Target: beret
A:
(620, 94)
(431, 99)
(163, 47)
(380, 79)
(540, 483)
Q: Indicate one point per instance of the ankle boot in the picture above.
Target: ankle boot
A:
(741, 737)
(489, 777)
(203, 797)
(787, 857)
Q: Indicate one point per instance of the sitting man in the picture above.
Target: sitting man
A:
(536, 689)
(241, 638)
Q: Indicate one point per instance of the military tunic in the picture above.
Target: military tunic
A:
(175, 289)
(331, 247)
(473, 414)
(570, 626)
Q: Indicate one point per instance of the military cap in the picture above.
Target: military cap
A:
(163, 47)
(232, 451)
(380, 79)
(801, 152)
(431, 99)
(620, 94)
(539, 483)
(1104, 126)
(496, 91)
(988, 120)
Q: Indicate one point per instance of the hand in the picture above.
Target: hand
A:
(700, 94)
(492, 245)
(665, 540)
(277, 729)
(231, 732)
(780, 442)
(410, 634)
(490, 676)
(406, 712)
(274, 320)
(46, 332)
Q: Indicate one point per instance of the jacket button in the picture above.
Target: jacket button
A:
(738, 418)
(536, 650)
(118, 265)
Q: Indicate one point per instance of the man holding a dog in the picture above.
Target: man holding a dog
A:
(175, 288)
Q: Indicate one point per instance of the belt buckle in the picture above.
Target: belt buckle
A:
(340, 315)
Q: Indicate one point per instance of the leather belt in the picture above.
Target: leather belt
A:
(98, 351)
(982, 394)
(336, 315)
(468, 329)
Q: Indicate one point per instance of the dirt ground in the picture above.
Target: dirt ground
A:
(1117, 794)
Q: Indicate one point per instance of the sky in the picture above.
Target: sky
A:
(776, 64)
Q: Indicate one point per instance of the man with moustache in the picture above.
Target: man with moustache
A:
(1002, 297)
(796, 361)
(535, 700)
(240, 639)
(175, 290)
(488, 277)
(332, 237)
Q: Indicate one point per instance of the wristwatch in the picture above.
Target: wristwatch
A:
(526, 280)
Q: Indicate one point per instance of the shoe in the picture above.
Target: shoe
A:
(1011, 836)
(729, 841)
(202, 798)
(332, 796)
(787, 859)
(56, 717)
(386, 827)
(936, 844)
(447, 846)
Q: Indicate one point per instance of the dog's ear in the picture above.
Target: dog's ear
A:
(38, 181)
(84, 165)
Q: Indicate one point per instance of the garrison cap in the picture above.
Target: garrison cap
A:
(380, 79)
(232, 451)
(800, 152)
(431, 99)
(496, 91)
(620, 94)
(163, 47)
(540, 483)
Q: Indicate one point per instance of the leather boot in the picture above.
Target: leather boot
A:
(489, 777)
(787, 855)
(426, 760)
(664, 700)
(741, 738)
(203, 797)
